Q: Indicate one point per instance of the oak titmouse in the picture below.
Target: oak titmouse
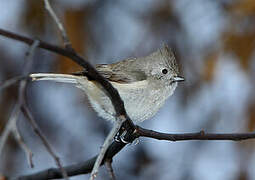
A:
(143, 83)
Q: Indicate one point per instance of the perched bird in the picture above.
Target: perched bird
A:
(143, 83)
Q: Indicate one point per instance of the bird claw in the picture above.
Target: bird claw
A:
(121, 137)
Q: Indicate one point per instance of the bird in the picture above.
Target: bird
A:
(144, 84)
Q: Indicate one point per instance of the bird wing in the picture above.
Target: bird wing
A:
(120, 75)
(115, 74)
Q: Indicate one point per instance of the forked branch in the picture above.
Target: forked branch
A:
(86, 166)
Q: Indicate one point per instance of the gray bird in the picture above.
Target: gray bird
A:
(143, 83)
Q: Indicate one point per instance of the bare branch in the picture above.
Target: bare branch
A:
(22, 86)
(61, 28)
(76, 169)
(115, 147)
(114, 131)
(37, 130)
(91, 72)
(86, 166)
(9, 126)
(108, 164)
(21, 142)
(11, 82)
(141, 132)
(107, 142)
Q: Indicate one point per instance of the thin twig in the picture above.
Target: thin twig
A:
(91, 72)
(113, 94)
(31, 120)
(8, 127)
(73, 170)
(11, 82)
(107, 142)
(86, 166)
(22, 89)
(202, 135)
(20, 104)
(116, 127)
(119, 121)
(108, 164)
(22, 86)
(61, 28)
(21, 142)
(37, 130)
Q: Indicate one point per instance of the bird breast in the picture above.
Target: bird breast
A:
(140, 99)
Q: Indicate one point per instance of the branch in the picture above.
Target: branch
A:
(90, 71)
(22, 87)
(108, 164)
(115, 147)
(107, 142)
(194, 136)
(119, 120)
(11, 125)
(8, 127)
(61, 28)
(21, 142)
(86, 166)
(24, 108)
(118, 104)
(11, 82)
(73, 170)
(37, 130)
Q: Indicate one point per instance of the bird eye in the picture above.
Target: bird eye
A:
(164, 71)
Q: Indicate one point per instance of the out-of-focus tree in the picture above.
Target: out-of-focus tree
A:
(214, 42)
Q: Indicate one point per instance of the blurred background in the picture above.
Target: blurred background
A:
(214, 42)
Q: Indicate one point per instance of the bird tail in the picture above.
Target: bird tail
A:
(63, 78)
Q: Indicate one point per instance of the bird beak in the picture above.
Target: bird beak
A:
(178, 79)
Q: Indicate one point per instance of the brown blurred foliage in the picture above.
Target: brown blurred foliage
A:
(35, 18)
(240, 37)
(73, 19)
(209, 67)
(242, 44)
(2, 177)
(251, 118)
(243, 7)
